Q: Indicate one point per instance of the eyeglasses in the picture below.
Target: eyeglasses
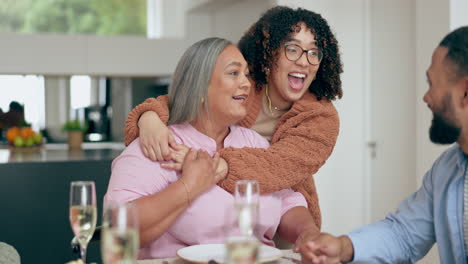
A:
(294, 52)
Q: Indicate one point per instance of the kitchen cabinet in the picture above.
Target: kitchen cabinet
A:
(34, 199)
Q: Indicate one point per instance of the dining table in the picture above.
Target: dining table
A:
(289, 257)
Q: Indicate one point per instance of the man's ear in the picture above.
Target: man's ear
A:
(465, 92)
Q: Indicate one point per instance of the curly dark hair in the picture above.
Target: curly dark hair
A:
(260, 46)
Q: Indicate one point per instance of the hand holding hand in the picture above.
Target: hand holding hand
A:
(199, 171)
(307, 235)
(327, 249)
(155, 138)
(178, 156)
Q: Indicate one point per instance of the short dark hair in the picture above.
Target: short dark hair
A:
(260, 45)
(457, 44)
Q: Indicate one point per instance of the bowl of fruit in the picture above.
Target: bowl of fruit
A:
(24, 138)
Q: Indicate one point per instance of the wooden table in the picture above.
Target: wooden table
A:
(289, 257)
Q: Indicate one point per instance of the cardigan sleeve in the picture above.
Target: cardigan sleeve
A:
(158, 105)
(300, 146)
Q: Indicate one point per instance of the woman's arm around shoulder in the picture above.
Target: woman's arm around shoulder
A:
(158, 105)
(303, 140)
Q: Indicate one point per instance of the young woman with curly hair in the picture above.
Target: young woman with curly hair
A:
(295, 65)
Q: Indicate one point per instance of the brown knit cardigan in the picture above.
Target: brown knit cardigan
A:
(303, 139)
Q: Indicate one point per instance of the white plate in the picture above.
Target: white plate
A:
(207, 252)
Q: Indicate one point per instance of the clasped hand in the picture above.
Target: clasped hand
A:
(199, 171)
(324, 249)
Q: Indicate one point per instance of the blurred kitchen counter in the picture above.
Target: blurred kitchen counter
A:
(96, 151)
(34, 190)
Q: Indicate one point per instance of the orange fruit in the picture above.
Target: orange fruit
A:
(26, 132)
(12, 133)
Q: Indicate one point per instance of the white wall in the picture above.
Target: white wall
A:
(199, 26)
(52, 54)
(228, 20)
(229, 24)
(458, 13)
(392, 122)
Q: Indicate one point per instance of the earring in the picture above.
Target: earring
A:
(202, 100)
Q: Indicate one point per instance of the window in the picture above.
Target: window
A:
(101, 17)
(27, 90)
(80, 91)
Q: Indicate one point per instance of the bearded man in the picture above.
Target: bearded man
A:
(438, 211)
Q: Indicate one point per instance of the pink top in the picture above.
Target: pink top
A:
(134, 176)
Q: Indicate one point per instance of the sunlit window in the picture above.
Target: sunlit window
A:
(80, 91)
(27, 90)
(101, 17)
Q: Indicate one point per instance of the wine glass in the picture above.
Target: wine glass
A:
(242, 246)
(83, 212)
(246, 199)
(120, 237)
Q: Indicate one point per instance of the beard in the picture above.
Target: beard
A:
(442, 131)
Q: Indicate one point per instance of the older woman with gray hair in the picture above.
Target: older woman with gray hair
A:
(177, 209)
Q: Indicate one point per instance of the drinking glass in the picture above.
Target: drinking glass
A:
(246, 199)
(241, 242)
(120, 238)
(83, 212)
(247, 192)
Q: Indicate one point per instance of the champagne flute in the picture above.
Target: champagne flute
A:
(247, 192)
(83, 212)
(120, 237)
(241, 219)
(246, 199)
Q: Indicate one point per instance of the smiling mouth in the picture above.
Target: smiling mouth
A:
(240, 98)
(296, 80)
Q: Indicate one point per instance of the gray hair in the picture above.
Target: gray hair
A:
(189, 87)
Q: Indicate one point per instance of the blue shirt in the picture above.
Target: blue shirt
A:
(432, 214)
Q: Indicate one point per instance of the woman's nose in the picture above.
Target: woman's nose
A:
(245, 83)
(302, 61)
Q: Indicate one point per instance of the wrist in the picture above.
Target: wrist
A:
(310, 230)
(187, 191)
(347, 250)
(148, 115)
(193, 188)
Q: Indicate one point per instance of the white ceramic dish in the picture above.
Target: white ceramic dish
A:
(216, 252)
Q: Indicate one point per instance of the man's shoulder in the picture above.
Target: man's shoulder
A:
(451, 154)
(447, 163)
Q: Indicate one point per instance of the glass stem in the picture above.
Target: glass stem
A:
(83, 252)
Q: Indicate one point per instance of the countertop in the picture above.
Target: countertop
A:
(60, 153)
